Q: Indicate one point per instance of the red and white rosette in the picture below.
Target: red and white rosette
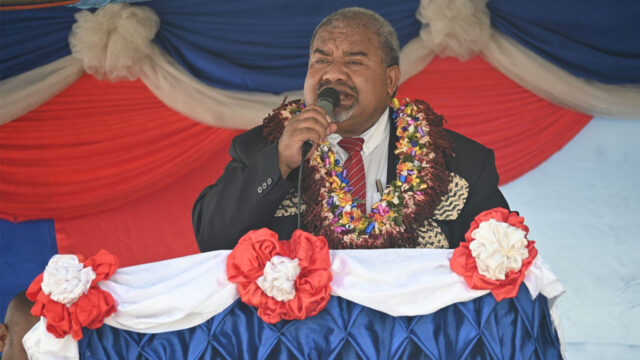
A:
(496, 253)
(67, 294)
(283, 279)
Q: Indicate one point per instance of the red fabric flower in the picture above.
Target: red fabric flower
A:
(72, 280)
(246, 265)
(464, 263)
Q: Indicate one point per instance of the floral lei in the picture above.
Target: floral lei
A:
(422, 180)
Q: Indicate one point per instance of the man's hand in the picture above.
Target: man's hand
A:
(312, 123)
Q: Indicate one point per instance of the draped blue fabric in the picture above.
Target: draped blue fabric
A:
(33, 38)
(241, 45)
(593, 39)
(518, 328)
(25, 250)
(263, 46)
(257, 45)
(88, 4)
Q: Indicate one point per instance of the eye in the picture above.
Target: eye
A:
(320, 61)
(354, 62)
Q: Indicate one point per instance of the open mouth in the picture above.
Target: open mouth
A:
(347, 93)
(346, 98)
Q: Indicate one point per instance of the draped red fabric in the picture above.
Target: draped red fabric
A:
(156, 226)
(480, 102)
(119, 170)
(98, 145)
(94, 146)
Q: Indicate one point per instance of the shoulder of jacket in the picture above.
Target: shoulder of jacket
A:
(470, 157)
(464, 143)
(252, 138)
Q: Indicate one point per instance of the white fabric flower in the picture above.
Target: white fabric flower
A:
(459, 28)
(115, 40)
(278, 279)
(498, 248)
(66, 279)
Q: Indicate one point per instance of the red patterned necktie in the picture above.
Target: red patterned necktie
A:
(355, 169)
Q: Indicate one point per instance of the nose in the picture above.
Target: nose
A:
(335, 71)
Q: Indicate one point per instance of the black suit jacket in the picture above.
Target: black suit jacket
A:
(251, 188)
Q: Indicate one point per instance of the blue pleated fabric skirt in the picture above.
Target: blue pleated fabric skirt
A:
(517, 328)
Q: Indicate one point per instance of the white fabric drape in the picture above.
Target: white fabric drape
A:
(559, 86)
(184, 292)
(115, 43)
(461, 28)
(205, 104)
(25, 92)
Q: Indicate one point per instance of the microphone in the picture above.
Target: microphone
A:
(328, 99)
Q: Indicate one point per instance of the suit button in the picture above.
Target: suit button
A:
(259, 190)
(269, 181)
(264, 185)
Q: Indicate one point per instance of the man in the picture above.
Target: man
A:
(354, 51)
(18, 321)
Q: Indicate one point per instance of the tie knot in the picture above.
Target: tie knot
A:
(351, 145)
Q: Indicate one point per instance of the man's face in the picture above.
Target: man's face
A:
(350, 60)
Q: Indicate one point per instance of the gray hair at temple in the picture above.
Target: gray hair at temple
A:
(356, 17)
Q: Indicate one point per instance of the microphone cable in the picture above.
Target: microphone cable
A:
(306, 147)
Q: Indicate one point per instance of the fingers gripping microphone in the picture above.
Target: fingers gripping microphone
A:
(328, 99)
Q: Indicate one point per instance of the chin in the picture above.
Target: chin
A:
(341, 115)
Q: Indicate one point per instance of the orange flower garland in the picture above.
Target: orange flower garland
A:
(422, 180)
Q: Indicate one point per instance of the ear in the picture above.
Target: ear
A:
(4, 337)
(393, 79)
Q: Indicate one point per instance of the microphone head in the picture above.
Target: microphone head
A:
(328, 99)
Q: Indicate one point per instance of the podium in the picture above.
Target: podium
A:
(385, 304)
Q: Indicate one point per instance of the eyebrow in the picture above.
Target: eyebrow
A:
(321, 52)
(346, 53)
(356, 53)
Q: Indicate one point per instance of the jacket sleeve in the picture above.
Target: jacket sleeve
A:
(476, 164)
(244, 198)
(484, 193)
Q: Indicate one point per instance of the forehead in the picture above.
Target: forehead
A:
(346, 39)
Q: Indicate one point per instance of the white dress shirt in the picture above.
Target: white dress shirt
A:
(375, 151)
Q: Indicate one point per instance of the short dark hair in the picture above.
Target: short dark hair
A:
(356, 17)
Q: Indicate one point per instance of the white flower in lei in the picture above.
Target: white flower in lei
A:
(66, 279)
(498, 248)
(278, 279)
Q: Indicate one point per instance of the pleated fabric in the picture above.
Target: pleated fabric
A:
(517, 328)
